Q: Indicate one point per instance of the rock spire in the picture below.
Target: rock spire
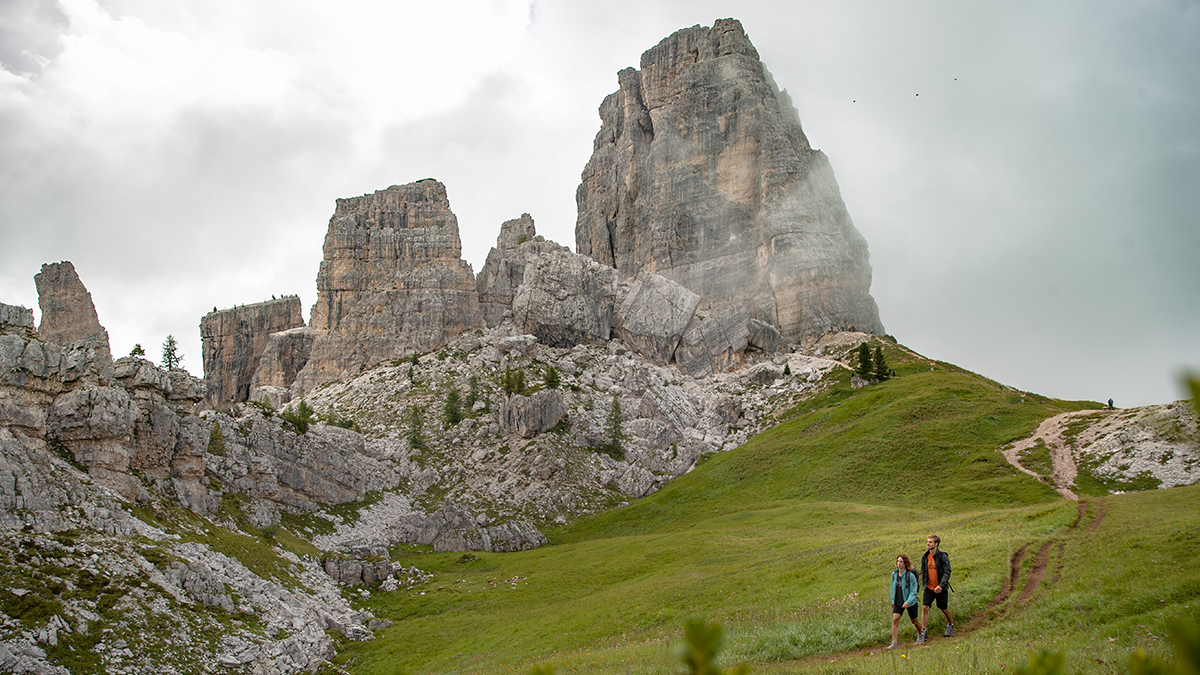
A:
(701, 173)
(392, 282)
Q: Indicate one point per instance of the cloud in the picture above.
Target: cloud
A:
(1031, 215)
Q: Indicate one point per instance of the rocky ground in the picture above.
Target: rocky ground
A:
(520, 461)
(1156, 446)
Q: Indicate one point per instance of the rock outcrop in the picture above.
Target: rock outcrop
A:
(392, 282)
(233, 341)
(701, 173)
(652, 316)
(281, 361)
(528, 416)
(565, 299)
(68, 313)
(504, 269)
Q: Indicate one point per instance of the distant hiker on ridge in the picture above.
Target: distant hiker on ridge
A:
(904, 598)
(935, 573)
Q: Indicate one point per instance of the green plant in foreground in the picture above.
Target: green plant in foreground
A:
(1043, 663)
(1185, 635)
(1193, 385)
(701, 643)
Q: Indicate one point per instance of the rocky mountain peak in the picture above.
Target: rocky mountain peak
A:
(701, 173)
(392, 282)
(68, 314)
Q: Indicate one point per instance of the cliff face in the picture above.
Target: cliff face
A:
(701, 173)
(392, 282)
(233, 342)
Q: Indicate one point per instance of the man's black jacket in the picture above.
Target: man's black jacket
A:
(941, 562)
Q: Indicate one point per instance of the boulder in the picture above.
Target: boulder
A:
(354, 572)
(233, 340)
(565, 299)
(454, 528)
(701, 173)
(528, 416)
(714, 341)
(652, 316)
(764, 336)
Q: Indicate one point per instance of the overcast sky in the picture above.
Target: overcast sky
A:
(1027, 175)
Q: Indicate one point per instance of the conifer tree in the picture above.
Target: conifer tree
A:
(452, 412)
(864, 361)
(881, 367)
(612, 426)
(171, 358)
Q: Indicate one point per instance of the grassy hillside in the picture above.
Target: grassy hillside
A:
(788, 541)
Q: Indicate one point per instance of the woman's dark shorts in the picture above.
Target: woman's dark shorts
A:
(942, 598)
(912, 610)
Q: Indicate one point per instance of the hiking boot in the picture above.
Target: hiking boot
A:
(924, 635)
(949, 630)
(920, 637)
(894, 645)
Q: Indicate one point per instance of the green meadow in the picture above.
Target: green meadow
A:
(788, 542)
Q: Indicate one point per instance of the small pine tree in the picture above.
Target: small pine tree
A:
(452, 412)
(612, 426)
(300, 418)
(864, 361)
(137, 350)
(416, 439)
(551, 377)
(473, 392)
(881, 366)
(171, 358)
(787, 369)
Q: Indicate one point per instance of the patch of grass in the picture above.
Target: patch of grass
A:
(1037, 459)
(929, 437)
(309, 522)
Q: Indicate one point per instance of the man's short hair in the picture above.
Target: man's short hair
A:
(936, 539)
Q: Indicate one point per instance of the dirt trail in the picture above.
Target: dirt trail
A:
(1003, 605)
(1051, 433)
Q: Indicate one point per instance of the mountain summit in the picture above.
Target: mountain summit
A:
(701, 173)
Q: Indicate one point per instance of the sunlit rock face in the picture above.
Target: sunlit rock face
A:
(392, 282)
(701, 173)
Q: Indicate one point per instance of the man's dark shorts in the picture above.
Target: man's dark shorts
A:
(942, 598)
(911, 609)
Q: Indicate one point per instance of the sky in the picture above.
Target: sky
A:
(1026, 174)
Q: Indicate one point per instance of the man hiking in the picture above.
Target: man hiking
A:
(935, 577)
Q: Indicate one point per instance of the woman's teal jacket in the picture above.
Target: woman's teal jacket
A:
(909, 588)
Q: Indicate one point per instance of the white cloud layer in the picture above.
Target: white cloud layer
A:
(1025, 174)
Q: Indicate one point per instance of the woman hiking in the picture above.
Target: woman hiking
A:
(904, 598)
